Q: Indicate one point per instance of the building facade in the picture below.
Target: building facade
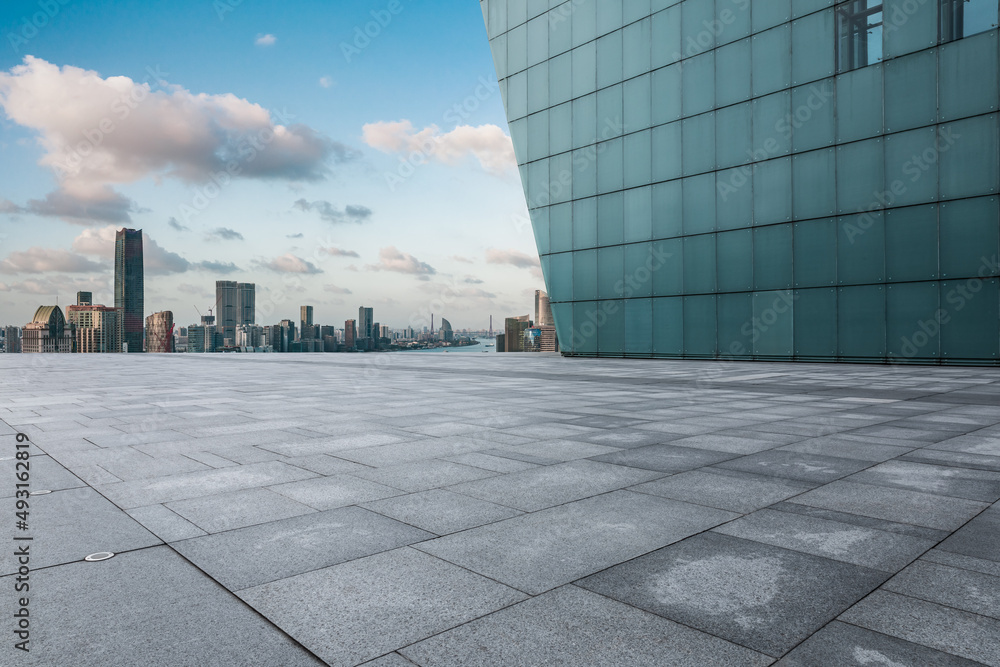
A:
(160, 332)
(129, 286)
(47, 332)
(761, 179)
(543, 309)
(98, 329)
(11, 339)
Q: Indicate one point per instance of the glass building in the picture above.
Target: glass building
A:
(760, 179)
(128, 286)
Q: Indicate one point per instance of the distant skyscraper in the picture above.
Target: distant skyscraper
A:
(84, 298)
(366, 318)
(514, 328)
(128, 286)
(160, 332)
(350, 334)
(447, 334)
(306, 322)
(11, 339)
(287, 336)
(246, 303)
(226, 308)
(97, 328)
(543, 310)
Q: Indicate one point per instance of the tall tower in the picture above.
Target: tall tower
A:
(305, 322)
(246, 303)
(365, 318)
(128, 286)
(226, 308)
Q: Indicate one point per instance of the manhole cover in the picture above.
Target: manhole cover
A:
(100, 555)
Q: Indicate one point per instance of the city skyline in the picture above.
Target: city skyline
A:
(398, 196)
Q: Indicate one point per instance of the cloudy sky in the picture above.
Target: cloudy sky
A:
(266, 142)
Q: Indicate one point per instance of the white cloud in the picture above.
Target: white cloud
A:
(330, 213)
(99, 132)
(326, 82)
(339, 252)
(289, 263)
(337, 290)
(265, 40)
(487, 143)
(45, 260)
(100, 242)
(391, 259)
(512, 257)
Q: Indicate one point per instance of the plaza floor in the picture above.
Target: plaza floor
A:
(471, 509)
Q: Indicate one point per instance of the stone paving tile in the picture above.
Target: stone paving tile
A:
(626, 438)
(356, 611)
(729, 443)
(237, 509)
(165, 524)
(547, 486)
(908, 529)
(327, 493)
(99, 614)
(570, 626)
(949, 586)
(901, 505)
(389, 660)
(561, 450)
(423, 475)
(857, 545)
(43, 472)
(980, 538)
(971, 444)
(543, 550)
(848, 449)
(846, 645)
(943, 628)
(724, 489)
(956, 459)
(795, 465)
(407, 452)
(940, 480)
(490, 462)
(963, 562)
(440, 511)
(762, 597)
(267, 552)
(664, 458)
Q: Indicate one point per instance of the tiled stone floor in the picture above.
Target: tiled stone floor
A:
(503, 510)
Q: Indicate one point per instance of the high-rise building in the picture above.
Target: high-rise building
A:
(514, 328)
(501, 342)
(160, 332)
(201, 338)
(11, 339)
(97, 328)
(543, 309)
(246, 303)
(128, 286)
(47, 332)
(288, 336)
(447, 334)
(350, 334)
(306, 322)
(84, 298)
(227, 309)
(366, 318)
(761, 180)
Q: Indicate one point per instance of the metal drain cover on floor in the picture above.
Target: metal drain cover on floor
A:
(100, 555)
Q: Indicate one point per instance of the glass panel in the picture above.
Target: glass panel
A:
(633, 10)
(814, 177)
(969, 238)
(859, 34)
(585, 275)
(584, 18)
(912, 321)
(609, 112)
(538, 183)
(561, 228)
(562, 313)
(699, 204)
(734, 198)
(560, 178)
(517, 95)
(609, 59)
(961, 18)
(733, 138)
(638, 214)
(734, 251)
(561, 78)
(970, 157)
(668, 279)
(771, 13)
(517, 49)
(609, 165)
(699, 326)
(641, 264)
(969, 77)
(911, 167)
(970, 329)
(636, 41)
(772, 257)
(538, 40)
(559, 276)
(812, 123)
(697, 18)
(584, 223)
(609, 16)
(911, 243)
(561, 128)
(668, 326)
(498, 18)
(637, 103)
(735, 326)
(639, 326)
(734, 20)
(910, 91)
(667, 152)
(698, 91)
(638, 159)
(732, 73)
(815, 323)
(861, 249)
(772, 191)
(517, 12)
(584, 68)
(773, 320)
(909, 26)
(812, 47)
(803, 7)
(499, 48)
(859, 111)
(666, 94)
(585, 327)
(771, 137)
(698, 138)
(538, 136)
(772, 59)
(610, 272)
(610, 222)
(584, 173)
(519, 137)
(584, 121)
(540, 226)
(861, 321)
(560, 29)
(815, 253)
(860, 174)
(666, 36)
(699, 264)
(667, 210)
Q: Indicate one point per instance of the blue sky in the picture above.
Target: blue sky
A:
(249, 144)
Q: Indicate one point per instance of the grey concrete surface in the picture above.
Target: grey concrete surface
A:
(504, 510)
